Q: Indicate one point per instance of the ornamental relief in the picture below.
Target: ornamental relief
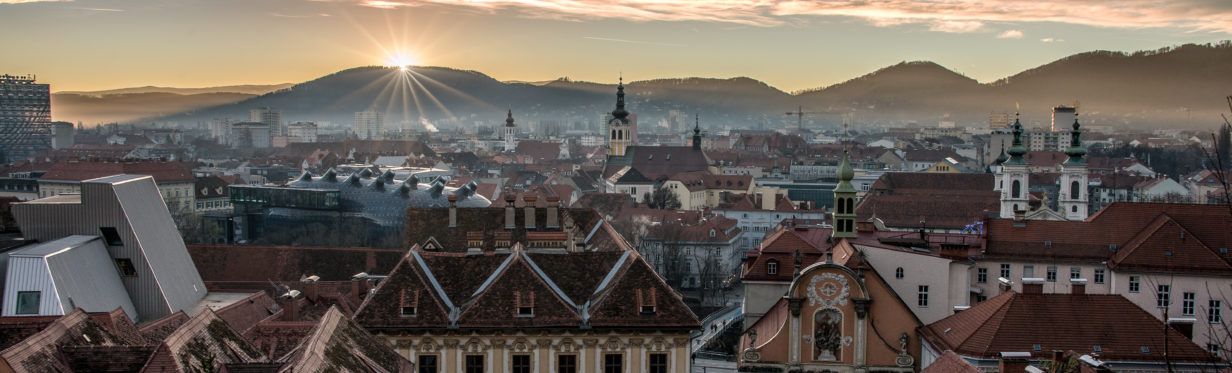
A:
(474, 345)
(658, 344)
(828, 290)
(613, 344)
(567, 346)
(522, 345)
(427, 345)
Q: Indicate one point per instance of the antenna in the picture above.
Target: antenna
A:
(1017, 108)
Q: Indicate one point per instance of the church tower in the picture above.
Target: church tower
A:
(844, 201)
(1014, 176)
(697, 133)
(1074, 196)
(618, 138)
(511, 133)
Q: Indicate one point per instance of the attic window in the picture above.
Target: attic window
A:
(1223, 251)
(1047, 243)
(669, 156)
(1112, 246)
(409, 303)
(1168, 253)
(1146, 350)
(1036, 347)
(525, 303)
(650, 157)
(647, 300)
(112, 236)
(1096, 349)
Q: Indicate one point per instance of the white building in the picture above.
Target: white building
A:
(369, 125)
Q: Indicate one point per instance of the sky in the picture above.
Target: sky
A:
(78, 45)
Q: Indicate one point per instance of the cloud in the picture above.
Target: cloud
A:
(632, 41)
(283, 15)
(958, 27)
(31, 1)
(939, 15)
(1051, 40)
(1010, 34)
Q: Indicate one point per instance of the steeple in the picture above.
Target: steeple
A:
(1075, 151)
(844, 200)
(697, 132)
(1017, 150)
(509, 119)
(620, 112)
(511, 132)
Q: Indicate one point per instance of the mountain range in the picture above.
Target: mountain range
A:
(1183, 86)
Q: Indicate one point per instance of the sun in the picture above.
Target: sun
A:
(401, 60)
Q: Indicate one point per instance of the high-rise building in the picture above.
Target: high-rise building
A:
(25, 117)
(1062, 117)
(369, 124)
(271, 117)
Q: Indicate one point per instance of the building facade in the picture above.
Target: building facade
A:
(25, 117)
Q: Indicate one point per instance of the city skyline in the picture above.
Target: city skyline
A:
(789, 45)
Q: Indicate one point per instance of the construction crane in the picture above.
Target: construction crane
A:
(800, 113)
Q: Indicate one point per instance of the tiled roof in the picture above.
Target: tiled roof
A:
(941, 200)
(423, 224)
(563, 290)
(40, 351)
(262, 263)
(202, 341)
(606, 204)
(247, 312)
(163, 172)
(1147, 229)
(930, 155)
(210, 187)
(1011, 322)
(1045, 158)
(949, 362)
(338, 344)
(659, 161)
(107, 358)
(538, 151)
(159, 329)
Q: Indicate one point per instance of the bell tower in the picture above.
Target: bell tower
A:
(1015, 176)
(511, 133)
(618, 127)
(1074, 195)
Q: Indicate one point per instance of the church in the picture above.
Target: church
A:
(652, 163)
(1013, 177)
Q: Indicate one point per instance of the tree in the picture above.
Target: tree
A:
(664, 198)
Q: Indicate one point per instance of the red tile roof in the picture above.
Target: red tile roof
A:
(1011, 322)
(163, 172)
(941, 200)
(338, 344)
(949, 362)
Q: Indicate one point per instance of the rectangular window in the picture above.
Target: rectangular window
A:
(1099, 275)
(408, 311)
(1028, 271)
(1214, 312)
(521, 364)
(566, 364)
(1005, 271)
(980, 298)
(1187, 303)
(1134, 283)
(1163, 296)
(1051, 276)
(1214, 349)
(981, 275)
(125, 265)
(427, 364)
(111, 236)
(923, 298)
(474, 364)
(613, 363)
(772, 268)
(658, 363)
(1075, 273)
(28, 302)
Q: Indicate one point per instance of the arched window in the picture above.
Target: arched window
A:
(898, 273)
(1075, 190)
(613, 134)
(1017, 189)
(827, 335)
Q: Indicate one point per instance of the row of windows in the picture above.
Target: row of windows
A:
(612, 363)
(212, 204)
(1050, 274)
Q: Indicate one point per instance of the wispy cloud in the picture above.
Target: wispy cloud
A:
(101, 9)
(31, 1)
(1010, 34)
(1052, 40)
(283, 15)
(632, 41)
(939, 15)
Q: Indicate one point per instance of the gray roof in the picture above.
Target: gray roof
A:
(53, 247)
(384, 198)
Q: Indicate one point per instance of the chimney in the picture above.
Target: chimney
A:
(509, 214)
(553, 212)
(1004, 285)
(1185, 326)
(1033, 285)
(530, 210)
(290, 308)
(1078, 286)
(453, 210)
(1014, 362)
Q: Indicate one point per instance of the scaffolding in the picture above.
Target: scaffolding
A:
(25, 117)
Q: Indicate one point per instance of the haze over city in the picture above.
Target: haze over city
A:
(88, 45)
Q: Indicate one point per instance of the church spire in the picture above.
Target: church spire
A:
(509, 119)
(1075, 151)
(1017, 150)
(620, 112)
(697, 132)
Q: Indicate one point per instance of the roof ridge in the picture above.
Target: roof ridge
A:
(998, 315)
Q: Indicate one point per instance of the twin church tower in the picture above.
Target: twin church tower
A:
(1013, 178)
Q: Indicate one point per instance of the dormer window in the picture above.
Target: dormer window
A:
(772, 267)
(711, 233)
(408, 303)
(647, 299)
(524, 302)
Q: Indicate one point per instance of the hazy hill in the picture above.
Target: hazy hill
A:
(1141, 89)
(127, 107)
(250, 89)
